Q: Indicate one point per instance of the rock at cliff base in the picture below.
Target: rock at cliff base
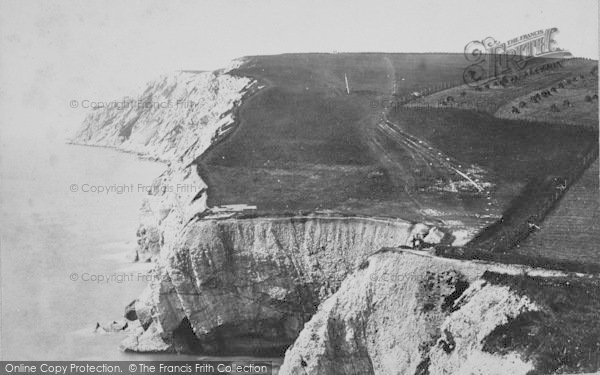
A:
(111, 327)
(130, 313)
(148, 341)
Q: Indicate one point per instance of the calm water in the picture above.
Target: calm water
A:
(50, 233)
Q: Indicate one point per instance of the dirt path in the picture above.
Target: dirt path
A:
(431, 158)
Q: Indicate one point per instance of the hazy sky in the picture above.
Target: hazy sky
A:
(54, 51)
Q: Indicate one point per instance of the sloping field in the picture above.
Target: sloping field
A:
(517, 157)
(576, 102)
(303, 144)
(490, 97)
(510, 151)
(572, 230)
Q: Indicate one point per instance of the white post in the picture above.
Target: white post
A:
(347, 86)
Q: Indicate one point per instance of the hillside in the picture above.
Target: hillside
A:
(303, 144)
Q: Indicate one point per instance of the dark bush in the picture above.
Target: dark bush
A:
(564, 336)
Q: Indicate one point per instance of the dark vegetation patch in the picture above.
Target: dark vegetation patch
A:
(564, 337)
(423, 367)
(364, 264)
(438, 291)
(459, 289)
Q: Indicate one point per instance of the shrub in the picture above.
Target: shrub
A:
(564, 336)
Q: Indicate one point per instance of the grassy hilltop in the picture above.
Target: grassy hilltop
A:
(303, 144)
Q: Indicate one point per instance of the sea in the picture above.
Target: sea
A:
(68, 220)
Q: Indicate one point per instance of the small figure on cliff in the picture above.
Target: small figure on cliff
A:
(417, 241)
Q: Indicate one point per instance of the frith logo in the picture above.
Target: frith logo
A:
(492, 58)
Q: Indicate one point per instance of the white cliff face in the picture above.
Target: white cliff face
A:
(176, 196)
(175, 119)
(262, 277)
(408, 313)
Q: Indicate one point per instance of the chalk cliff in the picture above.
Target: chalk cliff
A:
(409, 313)
(248, 285)
(175, 119)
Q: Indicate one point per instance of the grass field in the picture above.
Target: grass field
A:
(572, 230)
(303, 144)
(510, 151)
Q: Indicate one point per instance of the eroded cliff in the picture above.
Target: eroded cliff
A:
(249, 285)
(406, 312)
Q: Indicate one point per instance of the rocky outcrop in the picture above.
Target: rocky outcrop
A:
(407, 312)
(174, 197)
(248, 285)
